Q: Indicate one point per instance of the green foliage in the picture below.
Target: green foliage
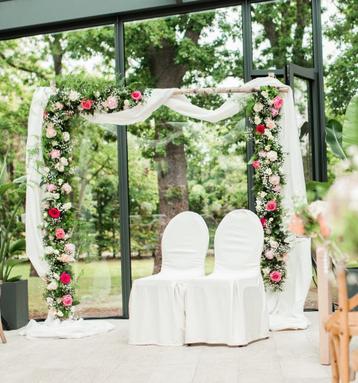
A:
(11, 198)
(342, 74)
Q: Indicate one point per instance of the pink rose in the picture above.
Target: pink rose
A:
(55, 153)
(136, 95)
(67, 300)
(263, 221)
(86, 104)
(66, 188)
(50, 132)
(262, 153)
(277, 102)
(274, 112)
(60, 234)
(269, 254)
(51, 187)
(112, 102)
(66, 258)
(275, 276)
(70, 248)
(256, 164)
(65, 278)
(277, 189)
(274, 180)
(271, 205)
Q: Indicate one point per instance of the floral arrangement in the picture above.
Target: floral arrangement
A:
(332, 222)
(269, 181)
(57, 172)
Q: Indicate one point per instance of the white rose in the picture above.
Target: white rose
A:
(52, 286)
(70, 248)
(267, 148)
(66, 206)
(64, 161)
(317, 207)
(126, 104)
(263, 194)
(59, 313)
(265, 94)
(59, 167)
(49, 301)
(66, 188)
(66, 136)
(60, 181)
(273, 244)
(269, 123)
(268, 134)
(272, 155)
(258, 107)
(274, 180)
(257, 120)
(268, 171)
(73, 95)
(49, 250)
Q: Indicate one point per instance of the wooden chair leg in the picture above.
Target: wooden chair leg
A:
(334, 361)
(2, 335)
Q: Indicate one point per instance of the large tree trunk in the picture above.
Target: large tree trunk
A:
(171, 167)
(173, 190)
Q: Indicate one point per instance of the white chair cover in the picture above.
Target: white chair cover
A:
(156, 307)
(228, 306)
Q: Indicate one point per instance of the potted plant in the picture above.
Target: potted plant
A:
(14, 291)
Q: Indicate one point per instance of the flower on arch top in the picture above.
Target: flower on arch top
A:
(136, 95)
(86, 104)
(277, 102)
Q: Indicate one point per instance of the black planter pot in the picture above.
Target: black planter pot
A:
(14, 303)
(352, 282)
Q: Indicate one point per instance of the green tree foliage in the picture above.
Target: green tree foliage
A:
(342, 74)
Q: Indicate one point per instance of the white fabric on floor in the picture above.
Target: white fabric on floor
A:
(299, 266)
(229, 305)
(67, 329)
(156, 308)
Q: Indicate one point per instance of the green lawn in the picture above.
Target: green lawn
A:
(99, 285)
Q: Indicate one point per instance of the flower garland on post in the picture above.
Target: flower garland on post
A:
(57, 174)
(269, 181)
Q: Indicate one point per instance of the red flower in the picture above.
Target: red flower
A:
(60, 233)
(136, 95)
(86, 104)
(263, 221)
(271, 205)
(260, 129)
(67, 300)
(54, 213)
(65, 278)
(256, 164)
(275, 276)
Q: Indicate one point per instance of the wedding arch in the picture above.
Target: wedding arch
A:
(279, 179)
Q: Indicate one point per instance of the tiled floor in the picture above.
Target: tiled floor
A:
(287, 357)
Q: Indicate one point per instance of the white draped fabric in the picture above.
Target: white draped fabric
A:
(286, 307)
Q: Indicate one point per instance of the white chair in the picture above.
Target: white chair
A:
(156, 307)
(228, 306)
